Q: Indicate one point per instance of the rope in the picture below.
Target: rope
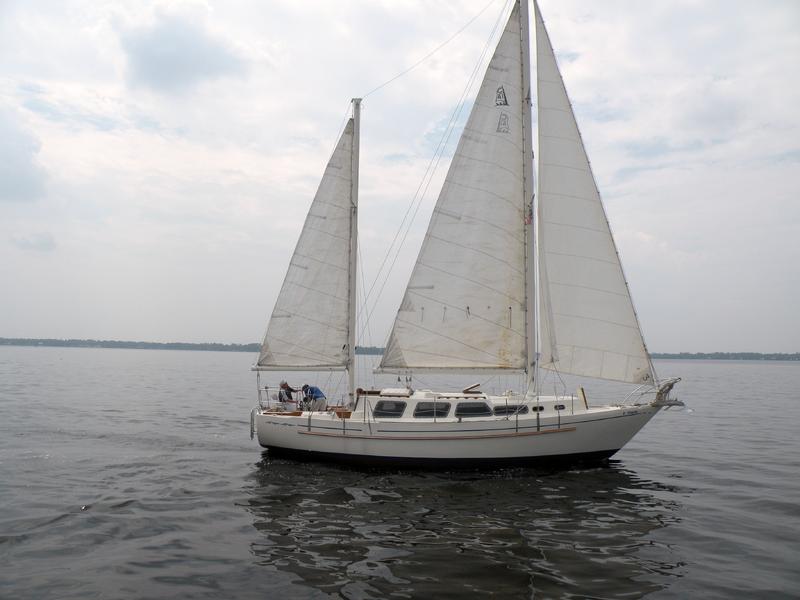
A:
(365, 324)
(431, 53)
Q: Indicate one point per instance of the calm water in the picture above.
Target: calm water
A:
(130, 474)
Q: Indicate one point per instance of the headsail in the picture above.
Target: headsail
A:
(588, 325)
(464, 307)
(309, 324)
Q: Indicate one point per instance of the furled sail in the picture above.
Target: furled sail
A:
(464, 307)
(588, 325)
(309, 324)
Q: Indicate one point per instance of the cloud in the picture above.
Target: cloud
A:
(176, 53)
(685, 108)
(37, 242)
(72, 115)
(21, 177)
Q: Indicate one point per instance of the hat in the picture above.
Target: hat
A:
(283, 382)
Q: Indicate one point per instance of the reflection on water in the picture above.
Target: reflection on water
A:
(511, 533)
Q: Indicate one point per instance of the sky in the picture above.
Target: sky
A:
(157, 159)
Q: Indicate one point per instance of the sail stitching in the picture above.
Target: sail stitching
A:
(322, 262)
(316, 291)
(562, 166)
(602, 260)
(513, 205)
(468, 218)
(447, 337)
(477, 251)
(318, 230)
(311, 354)
(558, 137)
(488, 287)
(587, 287)
(585, 318)
(489, 134)
(486, 162)
(574, 226)
(307, 318)
(593, 200)
(593, 349)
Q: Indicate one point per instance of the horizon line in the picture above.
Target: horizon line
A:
(364, 350)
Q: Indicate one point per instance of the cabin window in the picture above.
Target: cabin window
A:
(511, 409)
(537, 408)
(559, 407)
(428, 410)
(389, 409)
(473, 409)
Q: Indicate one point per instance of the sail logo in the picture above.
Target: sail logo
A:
(502, 124)
(500, 97)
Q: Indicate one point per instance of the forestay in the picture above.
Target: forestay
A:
(309, 324)
(464, 307)
(588, 325)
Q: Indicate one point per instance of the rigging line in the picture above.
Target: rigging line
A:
(432, 166)
(339, 132)
(365, 320)
(432, 52)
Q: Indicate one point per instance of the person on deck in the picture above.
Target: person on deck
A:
(313, 397)
(285, 392)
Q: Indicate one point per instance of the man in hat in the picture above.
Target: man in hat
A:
(285, 393)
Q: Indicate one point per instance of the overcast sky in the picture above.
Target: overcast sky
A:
(157, 158)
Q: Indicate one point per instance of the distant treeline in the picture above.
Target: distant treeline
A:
(213, 347)
(726, 356)
(372, 350)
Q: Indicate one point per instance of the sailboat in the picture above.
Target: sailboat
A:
(516, 275)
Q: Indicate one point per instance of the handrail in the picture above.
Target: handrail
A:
(660, 390)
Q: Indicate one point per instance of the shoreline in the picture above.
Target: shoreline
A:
(365, 350)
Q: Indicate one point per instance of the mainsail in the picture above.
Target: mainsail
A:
(588, 325)
(465, 304)
(309, 327)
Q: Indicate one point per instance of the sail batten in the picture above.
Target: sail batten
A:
(309, 327)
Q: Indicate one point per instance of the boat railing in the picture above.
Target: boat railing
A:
(269, 399)
(659, 392)
(636, 395)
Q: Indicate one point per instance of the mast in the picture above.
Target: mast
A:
(527, 190)
(351, 288)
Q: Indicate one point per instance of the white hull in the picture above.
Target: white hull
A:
(567, 434)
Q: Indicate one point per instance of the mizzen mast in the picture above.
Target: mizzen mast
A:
(351, 291)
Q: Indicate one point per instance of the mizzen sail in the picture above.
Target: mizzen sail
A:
(588, 325)
(465, 304)
(309, 324)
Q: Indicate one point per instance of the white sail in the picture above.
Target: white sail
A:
(464, 307)
(588, 325)
(309, 324)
